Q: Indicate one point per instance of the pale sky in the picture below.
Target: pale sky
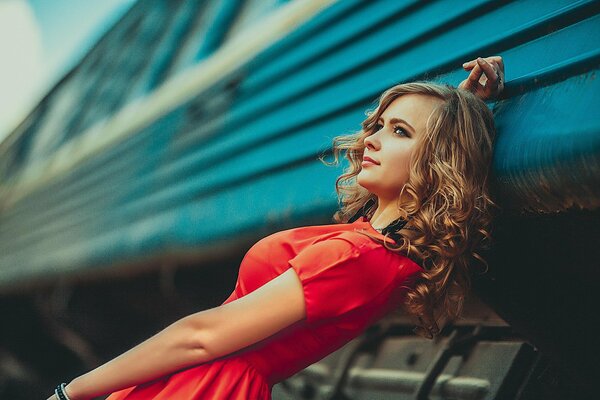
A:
(42, 40)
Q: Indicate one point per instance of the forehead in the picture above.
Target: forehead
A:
(413, 108)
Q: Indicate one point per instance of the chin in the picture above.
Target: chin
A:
(366, 184)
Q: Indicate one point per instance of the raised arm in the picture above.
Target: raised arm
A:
(199, 338)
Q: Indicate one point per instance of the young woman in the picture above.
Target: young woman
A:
(415, 210)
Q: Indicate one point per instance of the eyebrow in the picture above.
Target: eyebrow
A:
(395, 120)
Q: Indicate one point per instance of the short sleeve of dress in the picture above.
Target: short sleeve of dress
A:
(338, 276)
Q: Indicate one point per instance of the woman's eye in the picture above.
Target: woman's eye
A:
(399, 128)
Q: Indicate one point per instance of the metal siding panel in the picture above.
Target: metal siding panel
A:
(170, 186)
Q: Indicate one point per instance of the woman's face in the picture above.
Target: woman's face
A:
(390, 146)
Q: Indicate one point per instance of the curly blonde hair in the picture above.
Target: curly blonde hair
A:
(448, 204)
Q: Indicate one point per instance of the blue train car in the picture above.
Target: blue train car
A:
(192, 129)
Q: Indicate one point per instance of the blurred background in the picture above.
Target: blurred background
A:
(145, 145)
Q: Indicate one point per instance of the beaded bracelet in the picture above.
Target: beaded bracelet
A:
(60, 392)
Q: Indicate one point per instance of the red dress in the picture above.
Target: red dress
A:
(349, 282)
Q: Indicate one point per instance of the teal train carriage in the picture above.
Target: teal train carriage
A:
(192, 129)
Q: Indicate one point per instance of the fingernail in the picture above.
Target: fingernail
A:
(465, 64)
(479, 59)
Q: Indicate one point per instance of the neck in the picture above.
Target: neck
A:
(385, 213)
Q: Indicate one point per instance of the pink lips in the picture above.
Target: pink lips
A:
(368, 161)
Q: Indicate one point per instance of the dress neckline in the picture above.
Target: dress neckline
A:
(366, 224)
(368, 221)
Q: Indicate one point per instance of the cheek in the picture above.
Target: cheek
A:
(400, 166)
(396, 176)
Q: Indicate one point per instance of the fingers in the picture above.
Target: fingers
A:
(473, 79)
(469, 64)
(490, 72)
(498, 60)
(486, 76)
(494, 60)
(492, 68)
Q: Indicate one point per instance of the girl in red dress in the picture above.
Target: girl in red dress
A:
(415, 210)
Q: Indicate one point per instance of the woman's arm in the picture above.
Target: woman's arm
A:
(170, 350)
(199, 338)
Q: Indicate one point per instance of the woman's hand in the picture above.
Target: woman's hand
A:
(486, 79)
(53, 397)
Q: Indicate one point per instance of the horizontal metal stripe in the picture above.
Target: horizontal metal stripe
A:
(456, 387)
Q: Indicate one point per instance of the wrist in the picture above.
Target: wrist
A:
(72, 392)
(61, 393)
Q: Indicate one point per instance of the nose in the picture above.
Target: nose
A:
(372, 141)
